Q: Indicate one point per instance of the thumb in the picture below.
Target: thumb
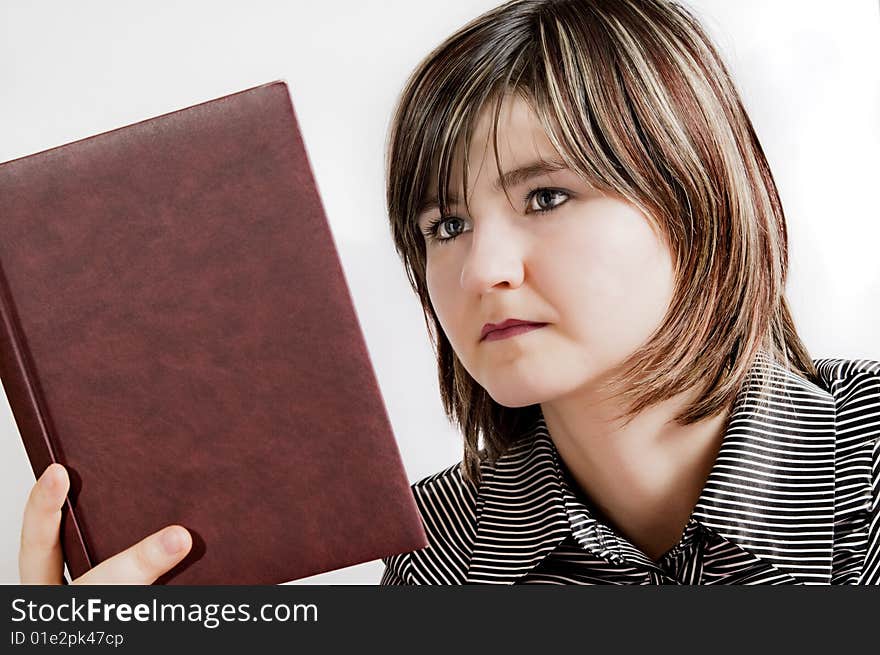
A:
(143, 562)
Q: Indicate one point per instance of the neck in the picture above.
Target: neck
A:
(644, 477)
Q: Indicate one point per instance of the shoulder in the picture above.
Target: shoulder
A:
(855, 387)
(447, 503)
(842, 376)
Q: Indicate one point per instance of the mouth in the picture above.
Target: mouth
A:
(509, 328)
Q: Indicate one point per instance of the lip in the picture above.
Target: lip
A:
(493, 331)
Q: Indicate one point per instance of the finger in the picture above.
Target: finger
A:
(40, 560)
(143, 562)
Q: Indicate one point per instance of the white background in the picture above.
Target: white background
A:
(809, 74)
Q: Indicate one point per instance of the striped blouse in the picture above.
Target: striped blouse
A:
(792, 498)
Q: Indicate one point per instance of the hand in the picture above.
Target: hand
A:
(40, 560)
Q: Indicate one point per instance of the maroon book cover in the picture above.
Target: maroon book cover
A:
(176, 329)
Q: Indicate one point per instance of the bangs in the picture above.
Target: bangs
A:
(593, 130)
(454, 141)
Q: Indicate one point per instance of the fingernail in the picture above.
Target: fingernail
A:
(172, 541)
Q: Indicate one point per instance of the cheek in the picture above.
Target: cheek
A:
(442, 292)
(618, 274)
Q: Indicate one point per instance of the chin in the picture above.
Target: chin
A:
(515, 397)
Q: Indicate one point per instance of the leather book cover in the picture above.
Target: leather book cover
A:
(176, 329)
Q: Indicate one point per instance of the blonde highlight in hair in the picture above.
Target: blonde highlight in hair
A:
(635, 98)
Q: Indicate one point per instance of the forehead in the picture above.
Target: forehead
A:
(521, 137)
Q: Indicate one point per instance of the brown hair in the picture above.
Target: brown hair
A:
(635, 98)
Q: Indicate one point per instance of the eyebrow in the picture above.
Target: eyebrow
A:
(510, 178)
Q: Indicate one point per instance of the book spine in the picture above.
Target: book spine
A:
(28, 408)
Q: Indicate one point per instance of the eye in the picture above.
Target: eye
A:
(545, 197)
(453, 226)
(440, 224)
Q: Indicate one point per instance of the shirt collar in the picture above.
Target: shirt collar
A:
(779, 442)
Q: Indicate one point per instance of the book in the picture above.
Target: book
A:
(176, 329)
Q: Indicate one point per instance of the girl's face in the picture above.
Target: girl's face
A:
(590, 267)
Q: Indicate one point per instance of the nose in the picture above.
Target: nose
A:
(495, 258)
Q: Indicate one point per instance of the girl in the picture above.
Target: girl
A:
(587, 216)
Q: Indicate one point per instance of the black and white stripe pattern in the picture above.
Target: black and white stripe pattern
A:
(792, 499)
